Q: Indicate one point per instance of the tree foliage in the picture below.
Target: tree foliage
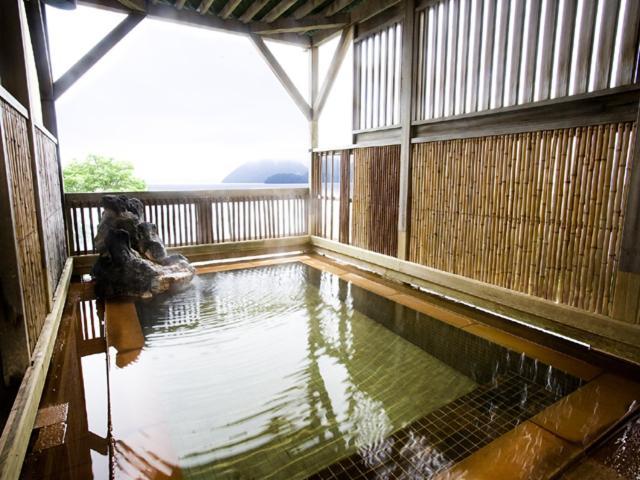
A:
(101, 174)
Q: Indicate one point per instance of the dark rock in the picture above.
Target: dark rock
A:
(132, 258)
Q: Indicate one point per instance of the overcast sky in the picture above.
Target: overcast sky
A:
(185, 105)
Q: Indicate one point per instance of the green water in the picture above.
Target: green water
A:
(272, 373)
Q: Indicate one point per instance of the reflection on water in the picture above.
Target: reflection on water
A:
(271, 373)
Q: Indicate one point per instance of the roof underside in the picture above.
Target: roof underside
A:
(300, 22)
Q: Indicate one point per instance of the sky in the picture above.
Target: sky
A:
(186, 105)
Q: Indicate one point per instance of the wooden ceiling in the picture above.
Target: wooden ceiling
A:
(302, 22)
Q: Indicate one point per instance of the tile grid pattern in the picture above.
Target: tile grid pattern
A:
(447, 435)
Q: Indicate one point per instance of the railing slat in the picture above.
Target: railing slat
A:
(200, 217)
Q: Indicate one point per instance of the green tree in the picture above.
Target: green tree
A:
(101, 174)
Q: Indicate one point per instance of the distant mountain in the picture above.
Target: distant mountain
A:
(260, 171)
(284, 178)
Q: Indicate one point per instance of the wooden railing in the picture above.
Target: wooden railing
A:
(199, 217)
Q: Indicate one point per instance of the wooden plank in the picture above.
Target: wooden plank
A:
(452, 58)
(253, 10)
(89, 59)
(228, 9)
(530, 52)
(219, 251)
(291, 25)
(151, 196)
(307, 7)
(564, 48)
(277, 11)
(371, 8)
(204, 6)
(514, 53)
(614, 105)
(17, 430)
(474, 63)
(627, 53)
(463, 58)
(282, 76)
(335, 6)
(499, 55)
(604, 44)
(407, 85)
(332, 72)
(486, 57)
(581, 63)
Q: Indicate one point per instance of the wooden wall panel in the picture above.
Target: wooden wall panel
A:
(539, 212)
(522, 52)
(376, 191)
(52, 211)
(30, 261)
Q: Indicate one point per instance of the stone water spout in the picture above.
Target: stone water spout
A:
(132, 258)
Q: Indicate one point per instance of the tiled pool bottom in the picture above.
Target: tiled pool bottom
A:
(287, 371)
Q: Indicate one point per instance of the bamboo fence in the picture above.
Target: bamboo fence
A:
(30, 261)
(52, 213)
(376, 192)
(537, 212)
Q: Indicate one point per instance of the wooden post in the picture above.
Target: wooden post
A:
(313, 130)
(626, 304)
(29, 98)
(406, 115)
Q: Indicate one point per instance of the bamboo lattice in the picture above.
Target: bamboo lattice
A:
(376, 192)
(32, 272)
(538, 212)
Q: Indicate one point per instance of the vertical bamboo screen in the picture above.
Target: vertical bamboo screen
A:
(376, 191)
(358, 205)
(476, 55)
(377, 79)
(30, 261)
(539, 212)
(53, 214)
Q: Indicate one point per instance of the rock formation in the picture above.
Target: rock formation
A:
(132, 258)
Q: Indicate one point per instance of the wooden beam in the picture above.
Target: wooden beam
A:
(314, 62)
(204, 6)
(199, 18)
(336, 6)
(406, 115)
(316, 22)
(194, 19)
(307, 8)
(277, 11)
(282, 76)
(229, 8)
(39, 41)
(17, 430)
(323, 36)
(217, 251)
(334, 68)
(83, 65)
(370, 9)
(253, 10)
